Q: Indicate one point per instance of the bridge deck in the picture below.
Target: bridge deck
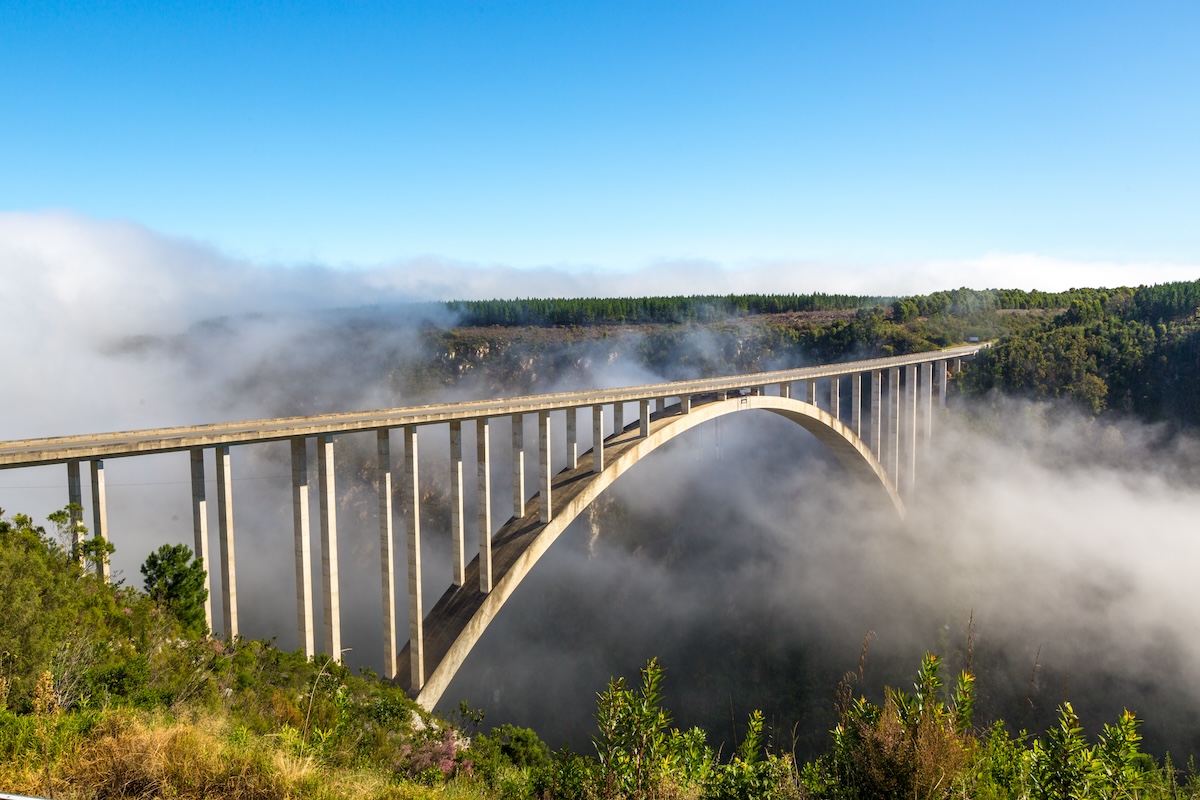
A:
(55, 450)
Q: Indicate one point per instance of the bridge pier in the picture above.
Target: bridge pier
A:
(200, 527)
(100, 515)
(518, 465)
(810, 391)
(457, 525)
(412, 508)
(685, 404)
(910, 430)
(876, 436)
(856, 403)
(329, 547)
(303, 546)
(785, 389)
(644, 418)
(893, 460)
(926, 391)
(597, 438)
(940, 371)
(483, 466)
(544, 460)
(225, 532)
(835, 397)
(75, 511)
(618, 418)
(387, 573)
(572, 438)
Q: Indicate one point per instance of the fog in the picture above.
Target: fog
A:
(740, 555)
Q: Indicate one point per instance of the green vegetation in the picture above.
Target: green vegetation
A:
(646, 310)
(1133, 351)
(175, 581)
(106, 693)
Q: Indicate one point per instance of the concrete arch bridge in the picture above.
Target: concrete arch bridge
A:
(876, 438)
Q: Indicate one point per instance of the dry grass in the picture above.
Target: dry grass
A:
(138, 755)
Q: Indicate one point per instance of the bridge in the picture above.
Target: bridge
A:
(876, 441)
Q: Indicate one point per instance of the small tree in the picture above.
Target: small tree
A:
(176, 581)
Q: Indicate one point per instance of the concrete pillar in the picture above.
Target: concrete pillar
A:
(75, 509)
(956, 366)
(940, 372)
(300, 528)
(856, 404)
(926, 392)
(893, 457)
(518, 465)
(810, 391)
(329, 547)
(835, 396)
(597, 439)
(685, 404)
(100, 515)
(483, 474)
(876, 436)
(225, 535)
(618, 418)
(785, 389)
(545, 467)
(387, 570)
(910, 433)
(721, 395)
(644, 417)
(200, 528)
(457, 524)
(572, 438)
(412, 510)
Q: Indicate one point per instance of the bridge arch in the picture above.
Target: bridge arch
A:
(463, 613)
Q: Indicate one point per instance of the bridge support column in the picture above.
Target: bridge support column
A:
(518, 465)
(685, 404)
(955, 366)
(877, 413)
(910, 433)
(940, 372)
(100, 515)
(329, 547)
(300, 527)
(926, 392)
(225, 531)
(856, 403)
(200, 527)
(457, 524)
(572, 438)
(412, 509)
(483, 466)
(547, 475)
(810, 391)
(835, 397)
(618, 417)
(893, 460)
(785, 389)
(75, 499)
(644, 417)
(597, 439)
(387, 570)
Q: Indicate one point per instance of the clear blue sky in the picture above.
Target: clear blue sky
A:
(613, 133)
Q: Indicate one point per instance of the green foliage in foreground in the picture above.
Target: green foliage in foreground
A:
(106, 694)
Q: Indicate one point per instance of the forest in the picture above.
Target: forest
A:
(119, 692)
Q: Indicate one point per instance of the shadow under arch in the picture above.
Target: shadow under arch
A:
(463, 613)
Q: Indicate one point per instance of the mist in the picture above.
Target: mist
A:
(740, 555)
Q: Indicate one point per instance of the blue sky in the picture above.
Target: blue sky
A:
(614, 136)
